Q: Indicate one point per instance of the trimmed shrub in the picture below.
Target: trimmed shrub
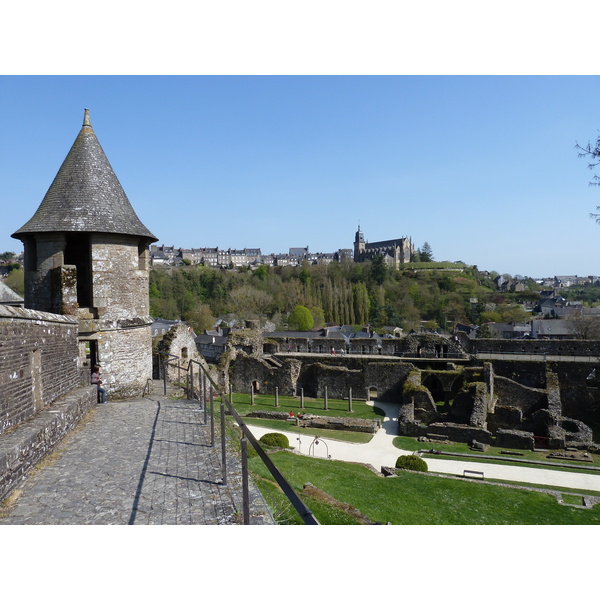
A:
(276, 440)
(411, 462)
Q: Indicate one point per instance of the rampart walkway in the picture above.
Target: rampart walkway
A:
(146, 461)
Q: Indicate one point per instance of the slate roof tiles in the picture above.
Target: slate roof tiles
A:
(85, 195)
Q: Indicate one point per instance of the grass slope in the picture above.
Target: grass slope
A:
(415, 499)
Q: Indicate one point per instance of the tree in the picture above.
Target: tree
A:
(592, 155)
(426, 254)
(379, 270)
(249, 302)
(261, 273)
(200, 318)
(318, 316)
(585, 326)
(300, 319)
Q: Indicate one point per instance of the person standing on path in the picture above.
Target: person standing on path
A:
(96, 380)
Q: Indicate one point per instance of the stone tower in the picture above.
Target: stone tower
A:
(359, 244)
(86, 255)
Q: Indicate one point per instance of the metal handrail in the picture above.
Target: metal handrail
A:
(305, 513)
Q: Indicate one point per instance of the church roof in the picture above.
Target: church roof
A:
(85, 195)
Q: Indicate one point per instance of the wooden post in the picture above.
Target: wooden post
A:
(276, 397)
(350, 400)
(301, 397)
(325, 400)
(252, 395)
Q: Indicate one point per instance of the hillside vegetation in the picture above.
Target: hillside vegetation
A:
(435, 294)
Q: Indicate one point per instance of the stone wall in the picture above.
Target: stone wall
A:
(126, 360)
(526, 399)
(313, 374)
(119, 277)
(24, 446)
(534, 346)
(38, 362)
(179, 343)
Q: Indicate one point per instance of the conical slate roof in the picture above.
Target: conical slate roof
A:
(85, 195)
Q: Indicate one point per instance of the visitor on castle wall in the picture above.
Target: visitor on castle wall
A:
(96, 380)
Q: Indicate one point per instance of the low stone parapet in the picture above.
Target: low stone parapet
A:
(322, 422)
(28, 443)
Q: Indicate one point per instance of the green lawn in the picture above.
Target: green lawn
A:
(417, 499)
(412, 444)
(315, 406)
(356, 437)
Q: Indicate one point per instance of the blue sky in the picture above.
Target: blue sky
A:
(481, 167)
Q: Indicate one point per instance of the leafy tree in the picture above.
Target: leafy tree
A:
(379, 270)
(426, 254)
(248, 302)
(304, 276)
(318, 316)
(261, 273)
(300, 319)
(200, 318)
(484, 331)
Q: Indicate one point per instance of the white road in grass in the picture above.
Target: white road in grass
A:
(380, 452)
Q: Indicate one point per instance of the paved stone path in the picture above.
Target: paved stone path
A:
(146, 461)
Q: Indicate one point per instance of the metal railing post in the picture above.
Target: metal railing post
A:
(223, 445)
(212, 420)
(204, 400)
(245, 494)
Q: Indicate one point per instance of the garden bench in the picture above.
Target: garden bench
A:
(478, 474)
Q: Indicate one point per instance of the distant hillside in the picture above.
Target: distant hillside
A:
(437, 295)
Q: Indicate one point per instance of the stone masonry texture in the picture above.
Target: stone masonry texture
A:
(145, 461)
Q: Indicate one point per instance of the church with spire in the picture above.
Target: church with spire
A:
(86, 256)
(395, 253)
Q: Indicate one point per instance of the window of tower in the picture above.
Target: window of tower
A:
(78, 252)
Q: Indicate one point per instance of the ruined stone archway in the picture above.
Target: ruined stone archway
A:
(436, 389)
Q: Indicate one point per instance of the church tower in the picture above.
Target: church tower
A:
(86, 255)
(359, 244)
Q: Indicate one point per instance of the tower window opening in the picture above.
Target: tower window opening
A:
(78, 253)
